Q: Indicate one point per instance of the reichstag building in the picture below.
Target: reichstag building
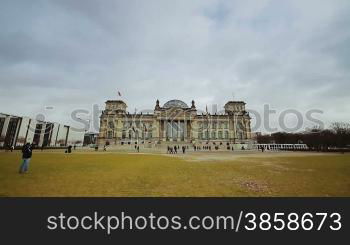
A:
(175, 121)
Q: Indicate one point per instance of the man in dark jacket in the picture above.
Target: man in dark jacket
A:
(26, 156)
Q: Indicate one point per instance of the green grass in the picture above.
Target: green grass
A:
(111, 174)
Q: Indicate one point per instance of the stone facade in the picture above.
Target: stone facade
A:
(174, 122)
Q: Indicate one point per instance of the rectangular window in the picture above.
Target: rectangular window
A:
(123, 134)
(205, 124)
(125, 124)
(200, 135)
(110, 124)
(109, 134)
(226, 134)
(220, 134)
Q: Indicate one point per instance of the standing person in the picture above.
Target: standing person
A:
(74, 147)
(183, 149)
(175, 150)
(138, 148)
(26, 156)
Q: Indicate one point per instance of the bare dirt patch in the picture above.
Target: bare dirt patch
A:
(254, 186)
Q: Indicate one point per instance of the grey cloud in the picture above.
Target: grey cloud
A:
(77, 53)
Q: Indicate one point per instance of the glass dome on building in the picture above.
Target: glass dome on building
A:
(175, 104)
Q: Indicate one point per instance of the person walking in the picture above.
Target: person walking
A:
(26, 156)
(69, 149)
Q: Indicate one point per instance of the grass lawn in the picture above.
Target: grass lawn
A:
(122, 174)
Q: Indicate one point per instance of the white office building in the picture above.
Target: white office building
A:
(16, 131)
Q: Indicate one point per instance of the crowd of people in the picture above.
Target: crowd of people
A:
(174, 149)
(28, 148)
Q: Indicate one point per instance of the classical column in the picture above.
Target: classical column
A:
(165, 129)
(178, 130)
(185, 130)
(174, 130)
(171, 130)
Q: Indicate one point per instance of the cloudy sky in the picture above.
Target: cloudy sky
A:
(69, 55)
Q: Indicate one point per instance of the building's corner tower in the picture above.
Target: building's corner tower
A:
(110, 121)
(240, 128)
(115, 106)
(233, 107)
